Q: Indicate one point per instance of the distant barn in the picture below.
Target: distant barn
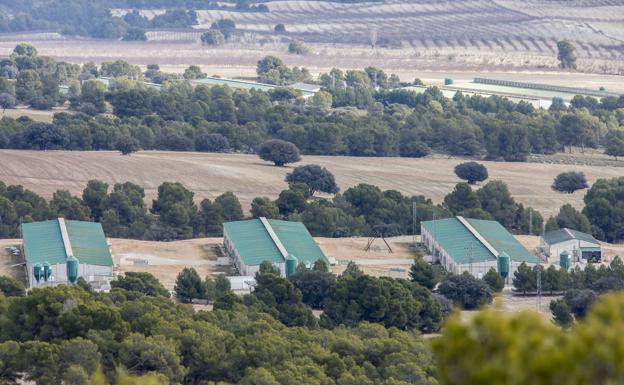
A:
(474, 245)
(578, 245)
(60, 251)
(285, 244)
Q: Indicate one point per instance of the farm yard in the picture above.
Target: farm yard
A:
(209, 175)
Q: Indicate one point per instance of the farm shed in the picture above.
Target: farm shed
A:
(60, 251)
(575, 243)
(473, 245)
(285, 244)
(307, 90)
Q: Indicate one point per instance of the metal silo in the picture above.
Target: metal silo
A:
(72, 269)
(503, 265)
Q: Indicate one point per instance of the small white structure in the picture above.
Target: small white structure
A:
(581, 246)
(242, 283)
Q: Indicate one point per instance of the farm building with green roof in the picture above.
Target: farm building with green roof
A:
(285, 244)
(577, 244)
(60, 251)
(474, 245)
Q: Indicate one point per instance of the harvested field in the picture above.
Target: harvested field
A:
(209, 175)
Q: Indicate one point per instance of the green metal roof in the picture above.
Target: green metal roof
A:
(458, 241)
(298, 241)
(254, 244)
(462, 245)
(565, 234)
(306, 91)
(502, 240)
(43, 242)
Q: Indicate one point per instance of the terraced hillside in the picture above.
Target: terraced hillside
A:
(595, 26)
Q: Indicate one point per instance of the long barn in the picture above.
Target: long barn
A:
(60, 251)
(473, 245)
(285, 244)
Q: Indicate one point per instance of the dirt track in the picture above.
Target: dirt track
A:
(209, 175)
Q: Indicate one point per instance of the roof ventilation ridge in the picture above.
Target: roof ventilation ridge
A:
(69, 252)
(476, 234)
(274, 237)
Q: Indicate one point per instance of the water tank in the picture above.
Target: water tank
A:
(47, 271)
(503, 265)
(565, 260)
(72, 269)
(291, 265)
(37, 272)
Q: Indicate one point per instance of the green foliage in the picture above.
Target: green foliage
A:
(566, 55)
(315, 177)
(264, 207)
(297, 47)
(494, 280)
(141, 282)
(229, 206)
(282, 299)
(604, 210)
(423, 273)
(462, 199)
(569, 217)
(193, 72)
(279, 152)
(466, 291)
(134, 34)
(189, 285)
(561, 313)
(11, 287)
(272, 70)
(615, 143)
(213, 37)
(357, 297)
(315, 285)
(472, 172)
(524, 281)
(569, 182)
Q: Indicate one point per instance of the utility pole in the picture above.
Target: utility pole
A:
(414, 221)
(530, 220)
(468, 250)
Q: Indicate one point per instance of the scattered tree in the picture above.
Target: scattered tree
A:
(280, 152)
(494, 280)
(423, 273)
(569, 182)
(561, 313)
(189, 285)
(472, 172)
(566, 55)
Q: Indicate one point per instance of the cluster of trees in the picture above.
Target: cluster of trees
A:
(396, 121)
(492, 201)
(122, 210)
(135, 330)
(90, 18)
(581, 287)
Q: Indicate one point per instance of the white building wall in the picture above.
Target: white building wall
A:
(570, 246)
(478, 269)
(91, 273)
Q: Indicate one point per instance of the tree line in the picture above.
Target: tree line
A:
(385, 122)
(360, 210)
(268, 337)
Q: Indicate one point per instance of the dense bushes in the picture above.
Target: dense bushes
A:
(604, 209)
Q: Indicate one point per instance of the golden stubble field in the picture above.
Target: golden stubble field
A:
(209, 175)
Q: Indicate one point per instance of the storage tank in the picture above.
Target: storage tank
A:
(503, 265)
(72, 269)
(47, 271)
(37, 272)
(565, 260)
(291, 265)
